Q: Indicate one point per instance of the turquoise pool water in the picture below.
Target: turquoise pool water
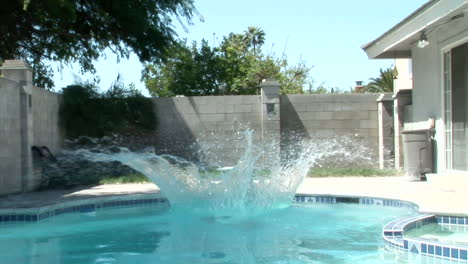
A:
(441, 233)
(313, 233)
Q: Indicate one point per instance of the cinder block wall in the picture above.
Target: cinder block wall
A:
(45, 107)
(206, 128)
(10, 137)
(388, 134)
(347, 117)
(26, 120)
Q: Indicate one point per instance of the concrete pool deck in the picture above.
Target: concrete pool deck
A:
(431, 197)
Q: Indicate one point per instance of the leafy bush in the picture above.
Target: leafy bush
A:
(84, 111)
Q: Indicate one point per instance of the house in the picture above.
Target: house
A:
(435, 37)
(402, 89)
(404, 75)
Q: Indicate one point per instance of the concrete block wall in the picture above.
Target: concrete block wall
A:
(10, 137)
(28, 117)
(388, 134)
(45, 109)
(206, 128)
(320, 116)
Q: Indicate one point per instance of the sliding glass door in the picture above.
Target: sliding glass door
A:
(456, 108)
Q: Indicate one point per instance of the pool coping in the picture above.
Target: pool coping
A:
(85, 205)
(392, 233)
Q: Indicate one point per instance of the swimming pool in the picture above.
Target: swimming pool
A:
(441, 233)
(302, 233)
(222, 216)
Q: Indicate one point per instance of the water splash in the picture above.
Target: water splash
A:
(245, 189)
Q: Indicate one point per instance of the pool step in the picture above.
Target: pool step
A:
(394, 235)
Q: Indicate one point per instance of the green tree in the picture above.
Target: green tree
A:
(189, 71)
(381, 84)
(295, 79)
(237, 63)
(68, 31)
(254, 36)
(237, 66)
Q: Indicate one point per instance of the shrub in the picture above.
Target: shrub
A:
(343, 172)
(84, 111)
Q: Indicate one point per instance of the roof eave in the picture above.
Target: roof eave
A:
(397, 42)
(405, 20)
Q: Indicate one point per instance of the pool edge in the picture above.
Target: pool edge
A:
(392, 233)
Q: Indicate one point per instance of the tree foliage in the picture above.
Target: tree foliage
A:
(381, 84)
(69, 31)
(84, 111)
(235, 67)
(189, 71)
(254, 36)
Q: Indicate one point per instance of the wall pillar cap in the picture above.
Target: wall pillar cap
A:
(385, 97)
(270, 88)
(270, 82)
(15, 65)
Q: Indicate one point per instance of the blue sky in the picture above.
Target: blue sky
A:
(325, 34)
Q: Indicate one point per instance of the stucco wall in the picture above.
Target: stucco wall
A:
(10, 137)
(428, 80)
(404, 79)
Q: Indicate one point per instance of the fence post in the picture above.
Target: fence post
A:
(19, 71)
(271, 136)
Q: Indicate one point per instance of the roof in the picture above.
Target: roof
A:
(398, 41)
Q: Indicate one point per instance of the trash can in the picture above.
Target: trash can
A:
(417, 153)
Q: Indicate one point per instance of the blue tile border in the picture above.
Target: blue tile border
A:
(393, 232)
(31, 215)
(332, 199)
(452, 220)
(314, 199)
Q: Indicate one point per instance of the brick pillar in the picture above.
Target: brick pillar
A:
(19, 71)
(271, 136)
